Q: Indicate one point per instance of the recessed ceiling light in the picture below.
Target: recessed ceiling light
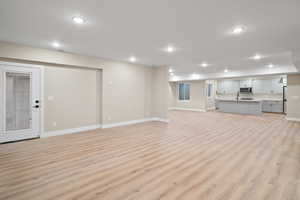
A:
(270, 65)
(172, 74)
(226, 70)
(195, 75)
(132, 59)
(170, 49)
(170, 70)
(78, 20)
(257, 57)
(55, 44)
(204, 64)
(237, 30)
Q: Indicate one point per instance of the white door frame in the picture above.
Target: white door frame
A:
(42, 103)
(210, 99)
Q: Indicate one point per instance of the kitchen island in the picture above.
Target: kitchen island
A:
(249, 107)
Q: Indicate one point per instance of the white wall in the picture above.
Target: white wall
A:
(293, 96)
(197, 96)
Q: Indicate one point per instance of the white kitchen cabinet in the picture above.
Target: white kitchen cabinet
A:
(228, 86)
(240, 107)
(259, 85)
(245, 83)
(267, 86)
(276, 86)
(272, 106)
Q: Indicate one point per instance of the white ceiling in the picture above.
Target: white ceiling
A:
(198, 29)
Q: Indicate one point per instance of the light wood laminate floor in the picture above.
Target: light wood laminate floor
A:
(203, 156)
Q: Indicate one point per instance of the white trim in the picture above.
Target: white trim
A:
(93, 127)
(42, 101)
(15, 64)
(135, 122)
(183, 101)
(70, 131)
(293, 119)
(157, 119)
(42, 84)
(212, 108)
(187, 109)
(126, 123)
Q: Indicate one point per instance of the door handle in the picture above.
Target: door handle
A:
(36, 106)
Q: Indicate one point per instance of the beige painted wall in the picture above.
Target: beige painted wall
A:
(172, 94)
(159, 92)
(126, 93)
(70, 98)
(197, 96)
(293, 96)
(99, 96)
(27, 53)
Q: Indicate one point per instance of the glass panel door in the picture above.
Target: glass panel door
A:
(18, 101)
(210, 94)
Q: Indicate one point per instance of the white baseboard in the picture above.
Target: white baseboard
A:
(293, 119)
(134, 122)
(160, 120)
(187, 109)
(212, 108)
(70, 131)
(93, 127)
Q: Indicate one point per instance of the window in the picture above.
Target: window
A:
(184, 92)
(209, 89)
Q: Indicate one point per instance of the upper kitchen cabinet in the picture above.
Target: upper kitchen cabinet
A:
(246, 83)
(228, 86)
(260, 85)
(269, 85)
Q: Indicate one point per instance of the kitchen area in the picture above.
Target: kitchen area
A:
(252, 95)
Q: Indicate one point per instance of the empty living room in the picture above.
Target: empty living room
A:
(148, 100)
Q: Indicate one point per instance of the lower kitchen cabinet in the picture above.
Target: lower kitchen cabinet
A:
(272, 106)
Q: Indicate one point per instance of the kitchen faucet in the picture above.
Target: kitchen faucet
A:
(237, 96)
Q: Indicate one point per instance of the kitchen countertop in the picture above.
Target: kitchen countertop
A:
(254, 100)
(272, 99)
(249, 107)
(234, 100)
(255, 106)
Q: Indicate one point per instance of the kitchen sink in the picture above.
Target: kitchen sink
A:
(246, 98)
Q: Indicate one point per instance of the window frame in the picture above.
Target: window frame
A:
(209, 92)
(184, 92)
